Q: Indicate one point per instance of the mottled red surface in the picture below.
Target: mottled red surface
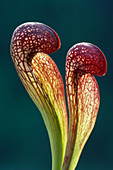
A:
(31, 38)
(86, 57)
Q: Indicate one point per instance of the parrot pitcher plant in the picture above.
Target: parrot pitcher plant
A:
(30, 45)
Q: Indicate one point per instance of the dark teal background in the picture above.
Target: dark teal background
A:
(24, 143)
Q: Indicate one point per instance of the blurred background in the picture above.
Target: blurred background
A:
(24, 143)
